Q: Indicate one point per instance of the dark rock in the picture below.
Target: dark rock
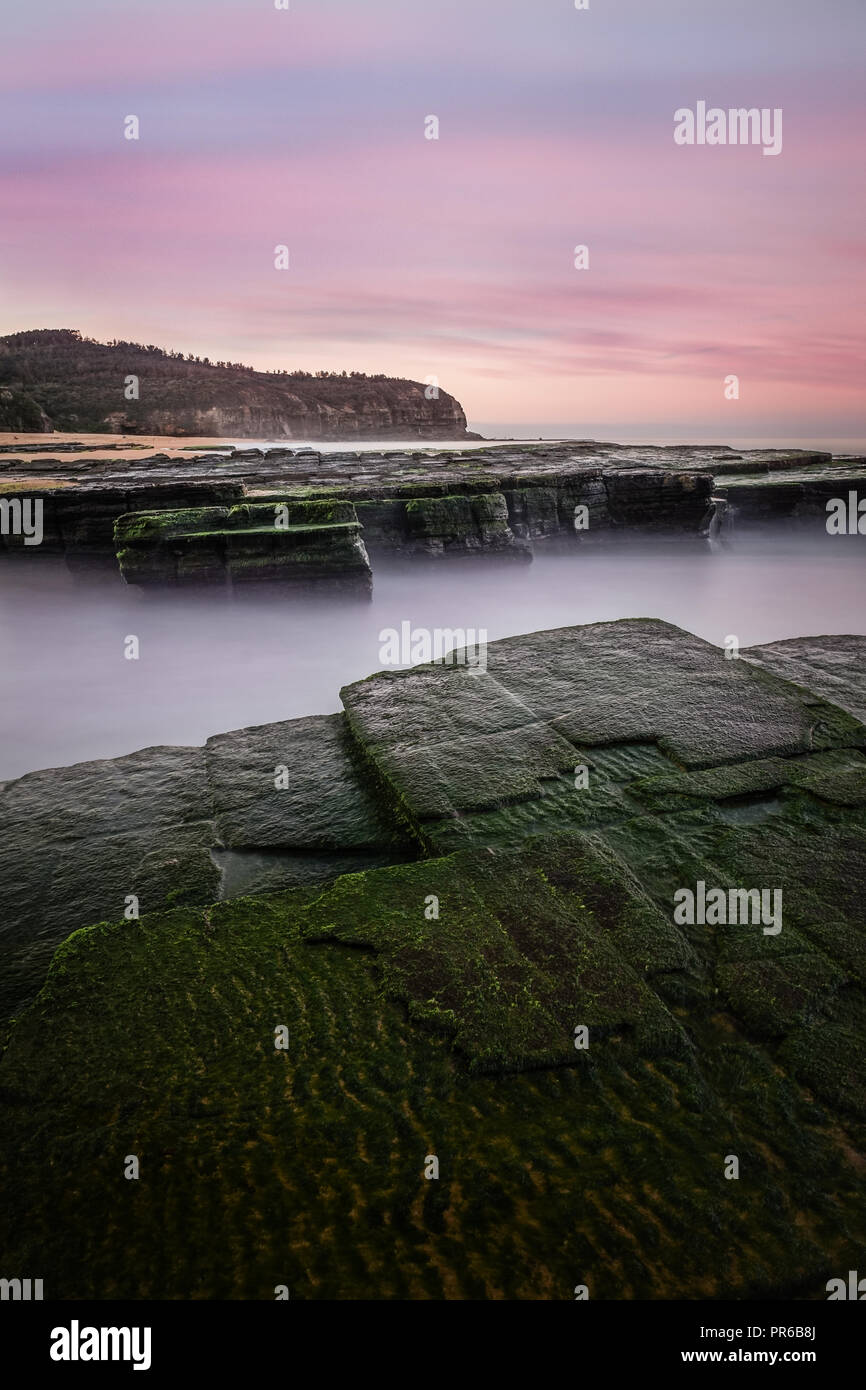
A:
(833, 667)
(432, 1006)
(797, 494)
(76, 842)
(177, 825)
(324, 805)
(296, 543)
(450, 740)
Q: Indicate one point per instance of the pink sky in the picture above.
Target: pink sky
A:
(453, 257)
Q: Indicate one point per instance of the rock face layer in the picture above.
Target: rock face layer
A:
(504, 502)
(302, 544)
(798, 494)
(503, 983)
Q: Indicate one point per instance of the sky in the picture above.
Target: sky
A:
(454, 257)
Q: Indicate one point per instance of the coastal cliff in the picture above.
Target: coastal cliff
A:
(56, 379)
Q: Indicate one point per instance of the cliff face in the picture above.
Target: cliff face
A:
(55, 379)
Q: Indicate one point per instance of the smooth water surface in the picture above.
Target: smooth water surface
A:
(210, 662)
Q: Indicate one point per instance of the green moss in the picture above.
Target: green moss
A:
(314, 542)
(416, 1031)
(773, 996)
(306, 1167)
(838, 776)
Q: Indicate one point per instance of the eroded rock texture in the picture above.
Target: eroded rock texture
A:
(520, 834)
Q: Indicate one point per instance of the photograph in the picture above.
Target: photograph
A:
(432, 677)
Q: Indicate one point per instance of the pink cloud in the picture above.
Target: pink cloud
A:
(139, 44)
(457, 260)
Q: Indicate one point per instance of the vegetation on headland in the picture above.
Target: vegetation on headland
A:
(58, 379)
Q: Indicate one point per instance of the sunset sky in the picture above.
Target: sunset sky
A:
(453, 257)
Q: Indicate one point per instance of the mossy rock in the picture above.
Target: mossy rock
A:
(306, 1166)
(431, 1001)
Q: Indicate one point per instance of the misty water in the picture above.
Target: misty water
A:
(211, 661)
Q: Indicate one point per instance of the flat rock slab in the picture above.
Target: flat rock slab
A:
(640, 680)
(450, 740)
(300, 543)
(834, 667)
(293, 785)
(147, 790)
(410, 1034)
(433, 1006)
(77, 842)
(507, 464)
(177, 825)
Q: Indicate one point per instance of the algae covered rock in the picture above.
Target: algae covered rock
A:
(796, 490)
(451, 742)
(77, 843)
(434, 525)
(492, 969)
(510, 499)
(304, 1163)
(437, 525)
(299, 543)
(255, 810)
